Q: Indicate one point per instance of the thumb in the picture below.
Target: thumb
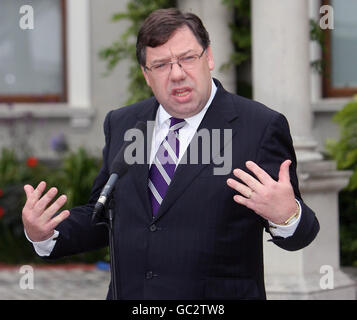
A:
(284, 175)
(28, 190)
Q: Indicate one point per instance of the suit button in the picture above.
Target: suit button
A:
(149, 275)
(153, 228)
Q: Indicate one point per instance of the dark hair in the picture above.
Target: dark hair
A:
(161, 24)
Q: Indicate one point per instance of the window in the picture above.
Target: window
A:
(33, 61)
(340, 74)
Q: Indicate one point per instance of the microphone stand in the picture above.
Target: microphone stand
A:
(109, 213)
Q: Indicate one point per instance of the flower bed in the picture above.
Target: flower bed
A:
(73, 176)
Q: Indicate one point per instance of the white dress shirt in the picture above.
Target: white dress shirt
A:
(162, 125)
(161, 129)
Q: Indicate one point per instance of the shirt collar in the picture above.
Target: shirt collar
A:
(163, 116)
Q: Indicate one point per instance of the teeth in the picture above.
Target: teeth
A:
(181, 93)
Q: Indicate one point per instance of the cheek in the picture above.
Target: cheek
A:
(159, 89)
(205, 79)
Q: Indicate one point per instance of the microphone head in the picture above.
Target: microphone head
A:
(121, 170)
(119, 165)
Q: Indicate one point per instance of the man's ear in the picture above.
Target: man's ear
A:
(145, 76)
(210, 59)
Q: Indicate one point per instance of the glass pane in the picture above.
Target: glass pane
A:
(31, 61)
(344, 44)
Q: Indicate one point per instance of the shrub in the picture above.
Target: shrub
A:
(344, 151)
(73, 176)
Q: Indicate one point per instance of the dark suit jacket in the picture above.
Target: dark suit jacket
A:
(202, 244)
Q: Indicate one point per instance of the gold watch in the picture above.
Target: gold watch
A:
(295, 215)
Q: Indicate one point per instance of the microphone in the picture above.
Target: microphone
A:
(118, 169)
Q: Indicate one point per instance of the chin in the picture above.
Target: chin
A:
(185, 111)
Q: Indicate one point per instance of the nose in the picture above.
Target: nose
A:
(177, 73)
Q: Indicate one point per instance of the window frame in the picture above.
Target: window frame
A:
(327, 89)
(47, 98)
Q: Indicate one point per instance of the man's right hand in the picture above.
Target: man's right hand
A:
(37, 216)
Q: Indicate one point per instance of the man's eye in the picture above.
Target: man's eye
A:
(188, 59)
(159, 66)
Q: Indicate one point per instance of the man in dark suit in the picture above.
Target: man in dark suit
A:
(182, 231)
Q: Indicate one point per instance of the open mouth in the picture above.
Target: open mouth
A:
(181, 92)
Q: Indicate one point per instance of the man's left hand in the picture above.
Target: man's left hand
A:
(273, 200)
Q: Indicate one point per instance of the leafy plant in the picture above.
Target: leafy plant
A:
(13, 171)
(125, 47)
(242, 41)
(13, 174)
(318, 35)
(73, 177)
(76, 177)
(240, 32)
(344, 151)
(348, 227)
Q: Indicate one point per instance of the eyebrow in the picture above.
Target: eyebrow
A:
(168, 59)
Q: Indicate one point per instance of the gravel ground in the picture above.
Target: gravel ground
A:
(53, 283)
(73, 282)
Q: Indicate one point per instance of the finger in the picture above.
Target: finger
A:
(263, 177)
(251, 182)
(28, 190)
(243, 201)
(55, 207)
(35, 195)
(284, 175)
(249, 204)
(54, 222)
(41, 204)
(240, 187)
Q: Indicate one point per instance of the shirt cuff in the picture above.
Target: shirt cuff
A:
(288, 230)
(44, 248)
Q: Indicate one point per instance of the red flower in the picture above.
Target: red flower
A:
(2, 211)
(32, 162)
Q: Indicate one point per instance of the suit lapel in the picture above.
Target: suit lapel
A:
(140, 172)
(219, 115)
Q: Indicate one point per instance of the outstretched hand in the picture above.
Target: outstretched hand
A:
(37, 216)
(273, 200)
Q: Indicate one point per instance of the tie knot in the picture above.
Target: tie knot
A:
(176, 124)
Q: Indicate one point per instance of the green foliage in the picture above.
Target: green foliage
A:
(317, 34)
(344, 151)
(240, 32)
(125, 47)
(348, 227)
(241, 38)
(74, 177)
(12, 172)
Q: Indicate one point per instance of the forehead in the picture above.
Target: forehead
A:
(181, 41)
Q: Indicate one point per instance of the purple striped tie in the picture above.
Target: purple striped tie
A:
(164, 164)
